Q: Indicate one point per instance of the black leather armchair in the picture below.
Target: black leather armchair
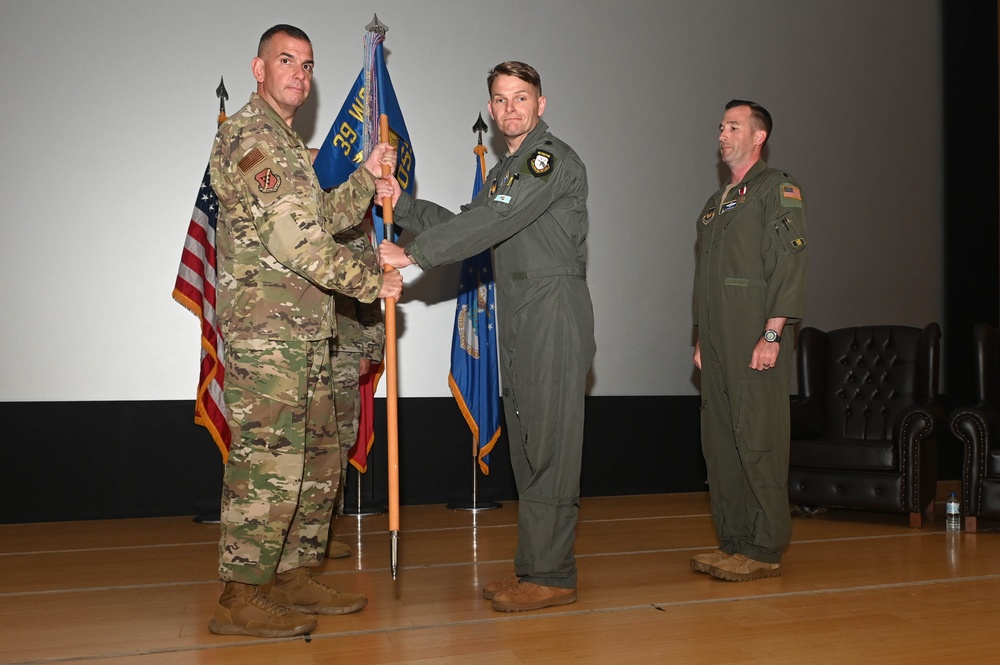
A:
(978, 427)
(866, 420)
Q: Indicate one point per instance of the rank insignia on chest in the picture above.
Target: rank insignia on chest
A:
(708, 216)
(541, 163)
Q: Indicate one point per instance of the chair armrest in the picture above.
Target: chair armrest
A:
(978, 428)
(922, 420)
(916, 433)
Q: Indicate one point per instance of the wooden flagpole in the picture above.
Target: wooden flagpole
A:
(392, 396)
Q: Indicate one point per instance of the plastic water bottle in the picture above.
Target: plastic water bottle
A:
(952, 514)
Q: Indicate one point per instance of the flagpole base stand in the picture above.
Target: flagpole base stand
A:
(474, 506)
(474, 501)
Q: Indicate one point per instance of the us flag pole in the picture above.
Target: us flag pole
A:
(195, 289)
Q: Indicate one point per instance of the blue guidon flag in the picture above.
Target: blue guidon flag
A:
(352, 137)
(355, 130)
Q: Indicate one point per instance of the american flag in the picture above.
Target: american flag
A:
(195, 288)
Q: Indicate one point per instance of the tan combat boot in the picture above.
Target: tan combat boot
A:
(337, 549)
(502, 584)
(298, 590)
(244, 610)
(529, 596)
(704, 562)
(740, 568)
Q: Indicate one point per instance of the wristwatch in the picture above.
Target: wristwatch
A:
(771, 336)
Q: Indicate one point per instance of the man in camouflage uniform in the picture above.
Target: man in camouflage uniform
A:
(749, 282)
(358, 346)
(278, 267)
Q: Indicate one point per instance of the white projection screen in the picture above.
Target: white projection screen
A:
(109, 112)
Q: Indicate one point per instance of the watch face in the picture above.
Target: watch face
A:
(770, 336)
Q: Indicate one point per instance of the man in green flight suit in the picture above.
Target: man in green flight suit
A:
(533, 213)
(749, 282)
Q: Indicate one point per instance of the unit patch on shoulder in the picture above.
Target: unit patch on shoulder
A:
(541, 163)
(265, 179)
(791, 196)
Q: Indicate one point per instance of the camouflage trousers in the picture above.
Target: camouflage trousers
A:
(346, 384)
(284, 464)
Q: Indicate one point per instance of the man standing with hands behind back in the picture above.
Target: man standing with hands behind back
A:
(749, 282)
(278, 268)
(533, 213)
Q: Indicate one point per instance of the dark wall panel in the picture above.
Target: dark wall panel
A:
(95, 460)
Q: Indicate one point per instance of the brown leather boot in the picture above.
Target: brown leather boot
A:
(528, 596)
(298, 590)
(502, 584)
(739, 568)
(244, 610)
(707, 560)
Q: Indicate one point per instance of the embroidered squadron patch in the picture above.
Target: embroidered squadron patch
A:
(708, 216)
(263, 176)
(541, 163)
(267, 181)
(799, 242)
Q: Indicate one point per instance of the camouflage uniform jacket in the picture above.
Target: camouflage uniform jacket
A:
(359, 325)
(278, 261)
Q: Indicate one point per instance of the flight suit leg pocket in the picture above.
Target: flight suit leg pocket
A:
(754, 426)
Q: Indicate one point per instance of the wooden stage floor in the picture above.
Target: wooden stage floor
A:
(856, 587)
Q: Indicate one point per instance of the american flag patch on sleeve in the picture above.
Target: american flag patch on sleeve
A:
(791, 192)
(251, 159)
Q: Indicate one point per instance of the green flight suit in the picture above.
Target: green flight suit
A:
(750, 267)
(533, 213)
